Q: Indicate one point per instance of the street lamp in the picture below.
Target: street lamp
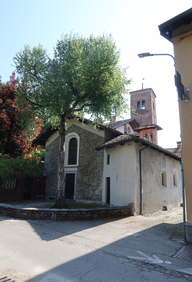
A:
(181, 88)
(182, 91)
(143, 55)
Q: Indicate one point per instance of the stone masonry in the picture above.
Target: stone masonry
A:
(147, 115)
(64, 214)
(149, 132)
(89, 175)
(90, 169)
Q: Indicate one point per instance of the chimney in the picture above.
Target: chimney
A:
(178, 144)
(112, 120)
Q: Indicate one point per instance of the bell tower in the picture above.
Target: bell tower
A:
(143, 110)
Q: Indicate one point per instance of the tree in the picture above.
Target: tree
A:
(14, 142)
(83, 77)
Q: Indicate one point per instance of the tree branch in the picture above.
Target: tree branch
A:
(40, 78)
(80, 109)
(74, 89)
(36, 104)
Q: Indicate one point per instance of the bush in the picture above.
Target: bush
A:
(9, 168)
(39, 153)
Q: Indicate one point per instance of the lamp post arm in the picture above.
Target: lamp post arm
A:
(143, 55)
(164, 55)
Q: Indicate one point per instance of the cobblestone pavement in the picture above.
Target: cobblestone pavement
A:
(165, 214)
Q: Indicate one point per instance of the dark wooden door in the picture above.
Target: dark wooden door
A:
(27, 189)
(108, 190)
(70, 184)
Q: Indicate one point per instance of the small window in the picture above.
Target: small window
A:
(146, 135)
(9, 183)
(72, 157)
(139, 105)
(108, 159)
(151, 136)
(164, 179)
(143, 105)
(174, 180)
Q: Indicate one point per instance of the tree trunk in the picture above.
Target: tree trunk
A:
(60, 199)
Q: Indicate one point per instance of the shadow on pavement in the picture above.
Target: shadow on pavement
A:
(117, 260)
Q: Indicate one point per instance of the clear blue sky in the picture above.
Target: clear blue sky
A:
(133, 24)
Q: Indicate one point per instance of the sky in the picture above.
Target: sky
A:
(133, 25)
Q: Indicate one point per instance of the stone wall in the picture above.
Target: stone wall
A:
(64, 214)
(90, 170)
(51, 166)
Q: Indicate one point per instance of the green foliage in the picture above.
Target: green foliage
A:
(20, 167)
(83, 76)
(39, 153)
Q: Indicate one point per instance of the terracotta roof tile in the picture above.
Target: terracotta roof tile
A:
(119, 123)
(48, 131)
(121, 140)
(176, 151)
(147, 127)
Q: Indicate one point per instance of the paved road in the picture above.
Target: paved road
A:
(129, 249)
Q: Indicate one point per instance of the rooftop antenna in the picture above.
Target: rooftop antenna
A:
(142, 82)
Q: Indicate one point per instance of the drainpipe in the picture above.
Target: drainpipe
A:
(183, 194)
(141, 189)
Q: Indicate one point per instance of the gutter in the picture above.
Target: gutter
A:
(141, 189)
(183, 195)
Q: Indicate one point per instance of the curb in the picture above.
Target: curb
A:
(64, 214)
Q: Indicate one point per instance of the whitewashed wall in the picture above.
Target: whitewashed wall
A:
(122, 128)
(155, 195)
(122, 173)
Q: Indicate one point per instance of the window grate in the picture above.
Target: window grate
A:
(9, 183)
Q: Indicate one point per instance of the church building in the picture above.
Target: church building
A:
(117, 163)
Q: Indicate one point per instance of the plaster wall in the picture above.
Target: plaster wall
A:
(155, 195)
(182, 42)
(121, 171)
(122, 129)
